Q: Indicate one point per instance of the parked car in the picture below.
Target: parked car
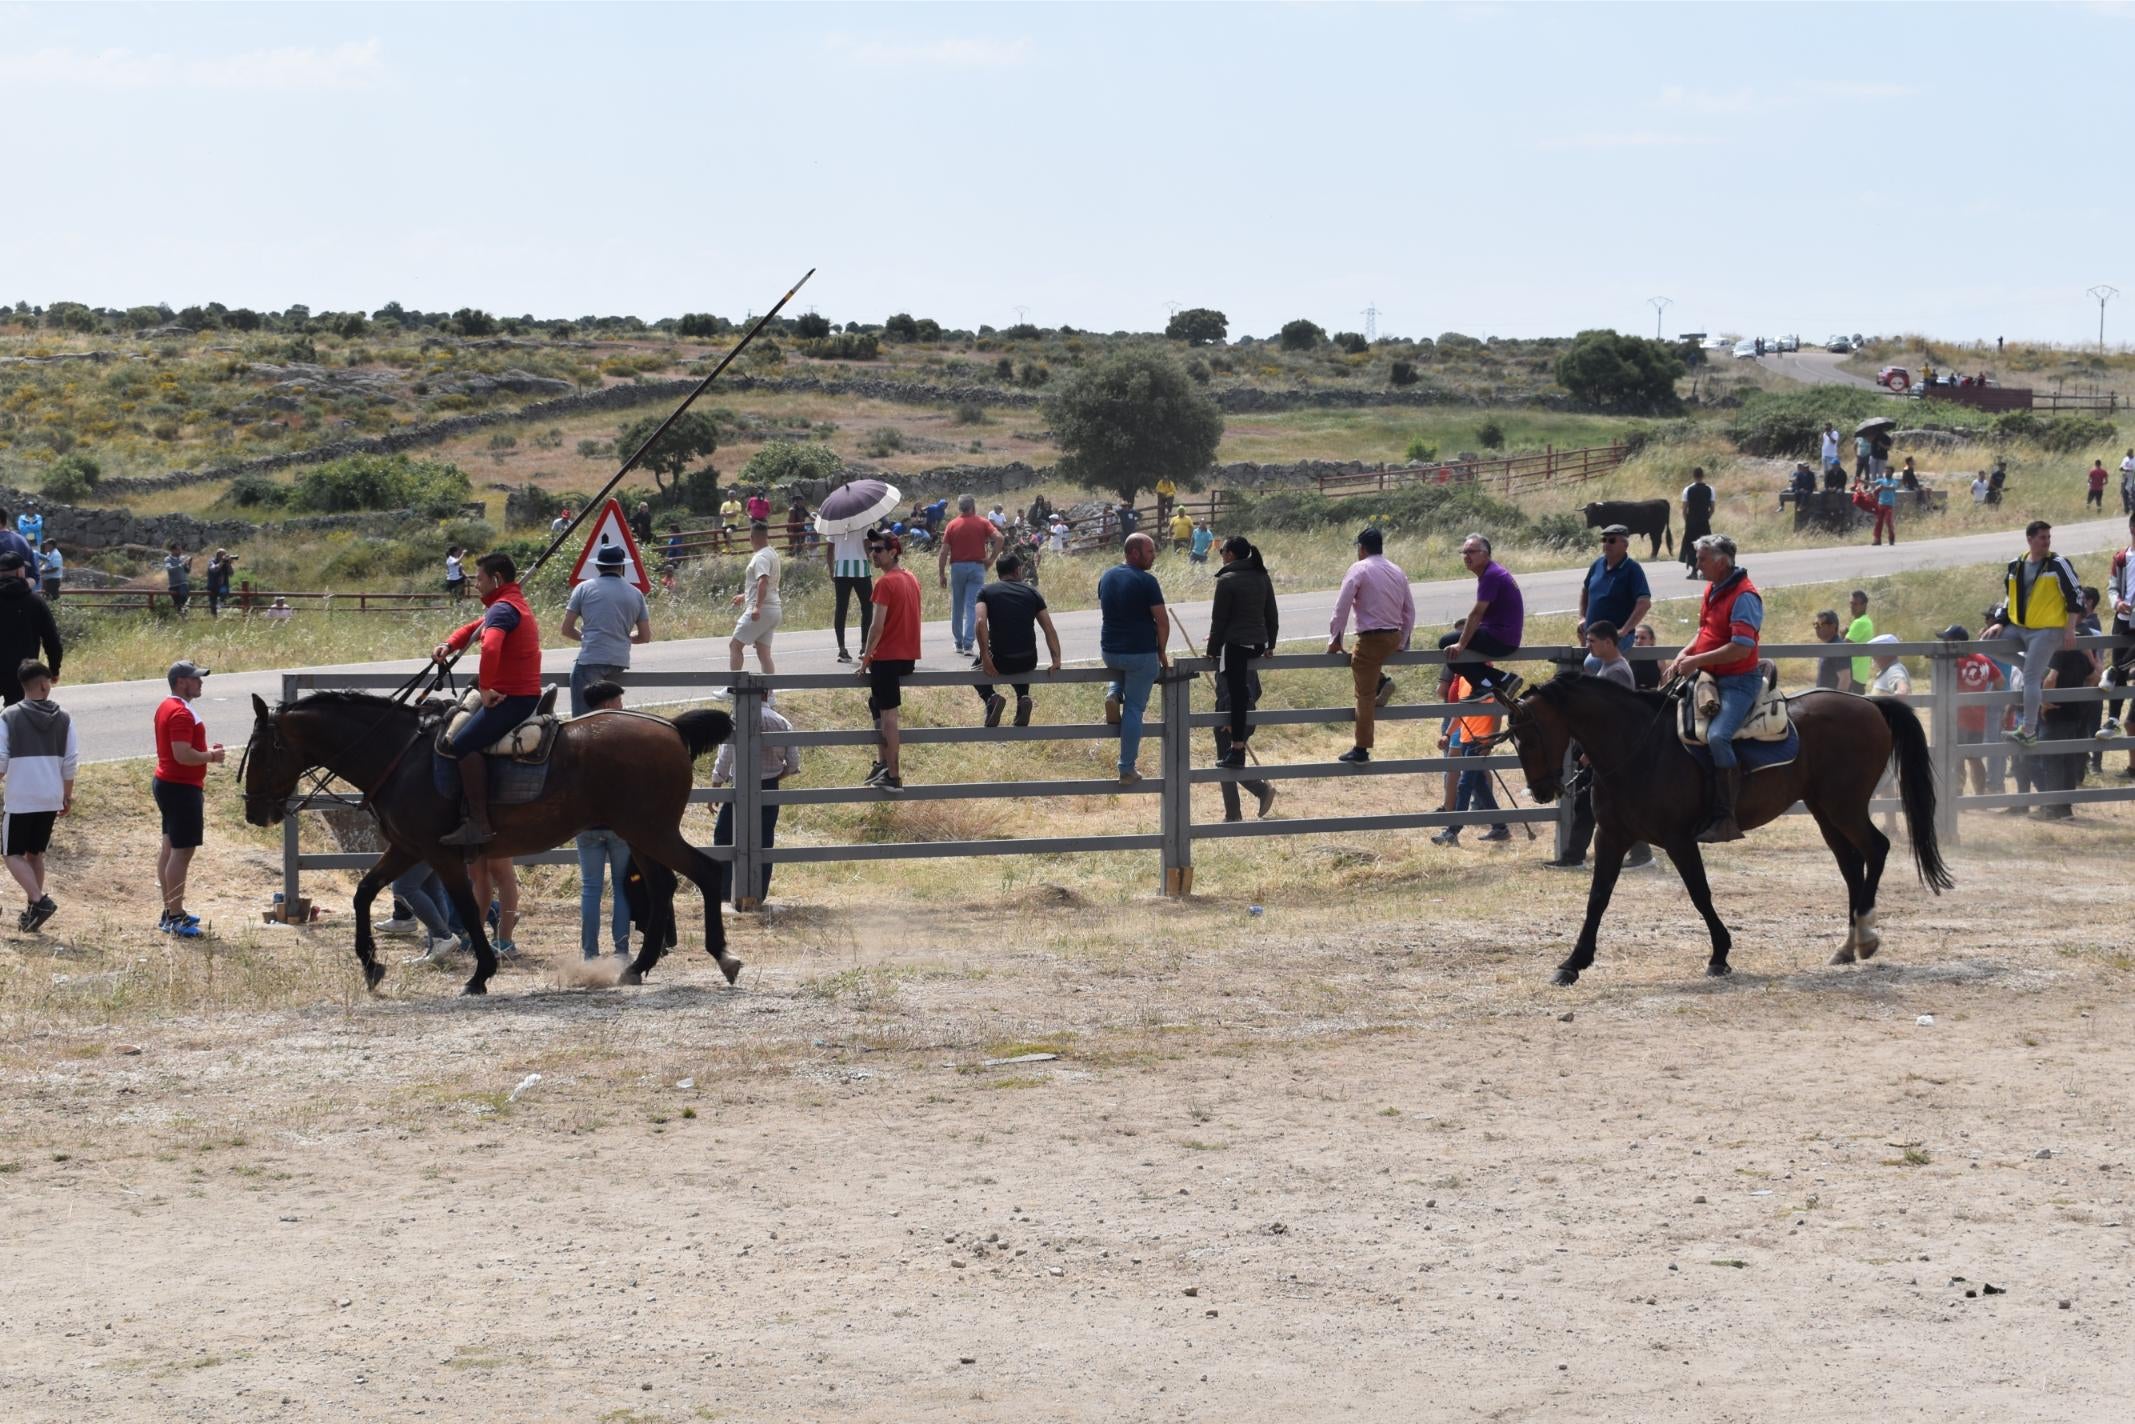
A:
(1838, 344)
(1790, 343)
(1717, 343)
(1746, 349)
(1895, 378)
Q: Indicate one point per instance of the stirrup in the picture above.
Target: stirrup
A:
(469, 833)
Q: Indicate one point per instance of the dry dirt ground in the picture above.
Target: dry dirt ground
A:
(1349, 1158)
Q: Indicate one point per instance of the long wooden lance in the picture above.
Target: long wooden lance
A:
(636, 457)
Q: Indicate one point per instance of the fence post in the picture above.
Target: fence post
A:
(747, 865)
(290, 848)
(1176, 791)
(1942, 741)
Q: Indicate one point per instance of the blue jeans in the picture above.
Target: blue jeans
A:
(583, 676)
(1473, 791)
(1738, 694)
(597, 850)
(426, 897)
(965, 581)
(490, 723)
(1137, 674)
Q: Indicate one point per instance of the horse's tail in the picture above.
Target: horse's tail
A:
(702, 729)
(1916, 788)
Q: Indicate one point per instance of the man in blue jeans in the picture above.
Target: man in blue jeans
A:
(774, 765)
(602, 855)
(1132, 639)
(1730, 622)
(968, 548)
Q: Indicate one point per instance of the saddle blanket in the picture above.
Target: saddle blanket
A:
(511, 783)
(1754, 756)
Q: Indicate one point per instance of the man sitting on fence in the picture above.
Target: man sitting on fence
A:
(1010, 613)
(510, 683)
(2041, 603)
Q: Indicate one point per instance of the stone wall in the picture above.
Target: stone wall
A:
(79, 531)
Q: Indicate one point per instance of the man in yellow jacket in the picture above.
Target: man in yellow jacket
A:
(2041, 604)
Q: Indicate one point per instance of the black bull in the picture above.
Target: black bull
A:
(1641, 516)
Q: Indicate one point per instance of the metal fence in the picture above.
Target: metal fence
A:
(1170, 734)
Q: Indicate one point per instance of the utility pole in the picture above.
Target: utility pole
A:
(1173, 307)
(2104, 294)
(1020, 312)
(1659, 305)
(1371, 321)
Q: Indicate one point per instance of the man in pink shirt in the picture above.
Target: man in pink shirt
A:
(1378, 593)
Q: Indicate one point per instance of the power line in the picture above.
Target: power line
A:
(2104, 294)
(1021, 313)
(1371, 322)
(1659, 305)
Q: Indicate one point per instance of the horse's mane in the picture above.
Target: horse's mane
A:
(1557, 692)
(359, 701)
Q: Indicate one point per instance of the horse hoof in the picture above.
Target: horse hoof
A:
(1869, 943)
(473, 986)
(1718, 969)
(630, 976)
(373, 976)
(1844, 956)
(729, 966)
(1565, 978)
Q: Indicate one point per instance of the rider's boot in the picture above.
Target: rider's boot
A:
(474, 788)
(1720, 824)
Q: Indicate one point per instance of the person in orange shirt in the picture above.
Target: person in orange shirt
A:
(892, 650)
(1465, 736)
(968, 548)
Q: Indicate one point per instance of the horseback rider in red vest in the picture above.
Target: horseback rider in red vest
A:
(510, 683)
(1729, 624)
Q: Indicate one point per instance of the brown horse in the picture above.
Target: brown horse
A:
(1648, 788)
(627, 771)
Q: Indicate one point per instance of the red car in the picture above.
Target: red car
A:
(1895, 378)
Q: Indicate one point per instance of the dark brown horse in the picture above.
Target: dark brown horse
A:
(627, 771)
(1648, 788)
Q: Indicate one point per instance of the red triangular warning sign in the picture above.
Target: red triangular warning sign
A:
(612, 528)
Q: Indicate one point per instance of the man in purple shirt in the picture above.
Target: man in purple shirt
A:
(1378, 593)
(1493, 626)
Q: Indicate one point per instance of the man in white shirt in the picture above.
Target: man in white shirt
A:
(758, 601)
(1830, 445)
(1979, 488)
(775, 763)
(2127, 484)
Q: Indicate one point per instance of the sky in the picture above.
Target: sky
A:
(1509, 170)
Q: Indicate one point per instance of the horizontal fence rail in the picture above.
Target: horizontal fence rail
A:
(1170, 731)
(1508, 475)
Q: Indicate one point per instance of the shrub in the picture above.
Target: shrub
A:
(785, 462)
(1005, 368)
(1198, 326)
(473, 534)
(501, 442)
(884, 440)
(1562, 531)
(1420, 451)
(969, 413)
(901, 327)
(1032, 374)
(381, 482)
(845, 346)
(1631, 375)
(594, 449)
(1131, 418)
(2061, 434)
(1301, 335)
(1788, 423)
(703, 324)
(72, 477)
(255, 491)
(699, 491)
(1403, 373)
(1352, 342)
(468, 321)
(1451, 509)
(1022, 331)
(1198, 370)
(1490, 435)
(811, 326)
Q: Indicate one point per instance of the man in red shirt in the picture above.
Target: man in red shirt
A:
(2096, 496)
(1730, 625)
(510, 681)
(968, 548)
(1976, 672)
(892, 648)
(183, 755)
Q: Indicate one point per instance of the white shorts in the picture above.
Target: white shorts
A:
(762, 626)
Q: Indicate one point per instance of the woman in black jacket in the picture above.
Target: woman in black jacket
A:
(1241, 627)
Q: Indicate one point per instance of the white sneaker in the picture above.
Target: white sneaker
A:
(407, 926)
(2108, 729)
(437, 952)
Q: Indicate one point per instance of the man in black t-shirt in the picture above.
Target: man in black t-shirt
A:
(1010, 613)
(1697, 518)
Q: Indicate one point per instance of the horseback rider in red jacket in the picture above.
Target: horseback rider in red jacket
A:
(1730, 623)
(510, 683)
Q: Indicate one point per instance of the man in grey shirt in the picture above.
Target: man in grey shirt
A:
(605, 616)
(1605, 660)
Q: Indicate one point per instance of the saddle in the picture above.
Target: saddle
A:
(530, 742)
(1768, 720)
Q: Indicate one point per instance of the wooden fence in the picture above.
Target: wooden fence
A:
(246, 599)
(1514, 474)
(1170, 734)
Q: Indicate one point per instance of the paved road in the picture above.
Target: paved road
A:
(113, 717)
(1816, 368)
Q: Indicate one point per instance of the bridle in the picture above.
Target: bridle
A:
(1672, 692)
(323, 775)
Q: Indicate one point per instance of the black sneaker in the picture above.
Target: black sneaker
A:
(1385, 692)
(34, 917)
(886, 782)
(1267, 801)
(843, 656)
(996, 704)
(1024, 707)
(1450, 836)
(1234, 759)
(1355, 756)
(1496, 833)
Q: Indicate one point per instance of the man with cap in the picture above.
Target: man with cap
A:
(604, 616)
(1730, 627)
(1976, 672)
(26, 626)
(889, 655)
(510, 680)
(1377, 592)
(183, 755)
(1615, 590)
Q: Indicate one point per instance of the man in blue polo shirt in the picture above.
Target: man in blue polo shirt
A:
(1615, 590)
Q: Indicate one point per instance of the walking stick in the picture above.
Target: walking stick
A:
(629, 464)
(1251, 755)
